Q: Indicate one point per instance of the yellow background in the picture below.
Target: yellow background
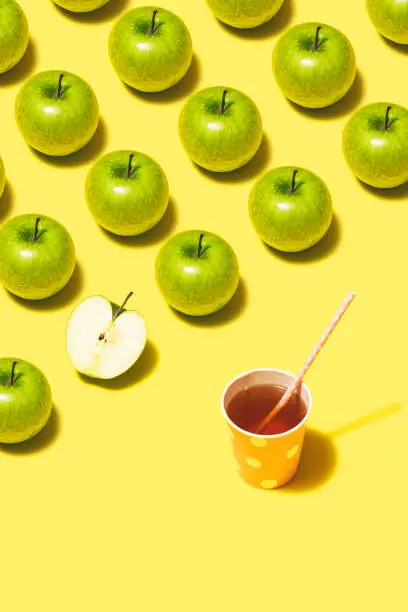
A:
(130, 499)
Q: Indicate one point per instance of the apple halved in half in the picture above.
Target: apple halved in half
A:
(104, 340)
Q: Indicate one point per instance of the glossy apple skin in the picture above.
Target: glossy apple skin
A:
(290, 222)
(244, 13)
(2, 177)
(57, 126)
(390, 18)
(314, 78)
(81, 6)
(127, 206)
(220, 142)
(197, 286)
(25, 406)
(35, 270)
(150, 62)
(13, 34)
(376, 156)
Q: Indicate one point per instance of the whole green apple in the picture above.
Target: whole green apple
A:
(127, 192)
(220, 128)
(197, 272)
(314, 65)
(290, 208)
(37, 256)
(390, 17)
(244, 13)
(2, 177)
(81, 6)
(57, 112)
(375, 144)
(13, 34)
(150, 48)
(25, 401)
(104, 340)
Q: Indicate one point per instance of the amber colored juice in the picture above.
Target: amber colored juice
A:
(250, 406)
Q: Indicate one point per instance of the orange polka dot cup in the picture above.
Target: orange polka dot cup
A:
(266, 461)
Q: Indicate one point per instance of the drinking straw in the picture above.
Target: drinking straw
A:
(309, 361)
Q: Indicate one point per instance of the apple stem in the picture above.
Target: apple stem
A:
(102, 336)
(130, 171)
(59, 89)
(12, 374)
(199, 247)
(387, 118)
(293, 186)
(222, 107)
(152, 28)
(122, 308)
(37, 221)
(317, 41)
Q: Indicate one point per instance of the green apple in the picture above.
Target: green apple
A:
(150, 48)
(2, 177)
(25, 401)
(127, 192)
(104, 340)
(244, 13)
(197, 272)
(290, 208)
(390, 17)
(375, 144)
(220, 128)
(314, 65)
(81, 6)
(13, 34)
(57, 112)
(37, 256)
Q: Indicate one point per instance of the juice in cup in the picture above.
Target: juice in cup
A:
(269, 459)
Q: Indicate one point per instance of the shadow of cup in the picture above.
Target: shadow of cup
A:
(319, 456)
(317, 464)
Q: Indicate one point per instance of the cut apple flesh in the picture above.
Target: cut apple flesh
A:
(101, 346)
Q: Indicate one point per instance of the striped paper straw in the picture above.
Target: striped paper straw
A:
(309, 361)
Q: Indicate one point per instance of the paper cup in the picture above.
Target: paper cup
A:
(266, 461)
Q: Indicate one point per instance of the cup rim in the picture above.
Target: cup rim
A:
(263, 436)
